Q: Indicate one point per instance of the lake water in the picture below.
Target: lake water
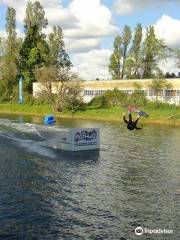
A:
(132, 181)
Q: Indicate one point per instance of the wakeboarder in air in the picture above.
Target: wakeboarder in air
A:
(131, 124)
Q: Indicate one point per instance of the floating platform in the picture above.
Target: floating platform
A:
(74, 139)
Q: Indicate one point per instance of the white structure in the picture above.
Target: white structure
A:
(92, 89)
(74, 139)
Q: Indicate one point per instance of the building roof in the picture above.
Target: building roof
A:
(124, 84)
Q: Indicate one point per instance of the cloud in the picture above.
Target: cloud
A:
(11, 3)
(168, 29)
(93, 64)
(54, 11)
(81, 18)
(58, 15)
(84, 23)
(127, 7)
(169, 65)
(81, 45)
(20, 8)
(2, 34)
(94, 19)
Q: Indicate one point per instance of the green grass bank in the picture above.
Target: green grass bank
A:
(164, 115)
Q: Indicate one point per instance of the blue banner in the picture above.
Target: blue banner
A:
(20, 90)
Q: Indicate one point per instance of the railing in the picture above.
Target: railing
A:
(168, 96)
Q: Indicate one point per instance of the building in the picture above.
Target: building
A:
(92, 89)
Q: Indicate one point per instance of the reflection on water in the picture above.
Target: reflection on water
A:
(132, 181)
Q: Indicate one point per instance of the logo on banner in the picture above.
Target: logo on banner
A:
(85, 136)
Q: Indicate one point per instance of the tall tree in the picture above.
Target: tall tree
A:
(58, 56)
(35, 16)
(0, 46)
(153, 51)
(126, 38)
(115, 58)
(129, 68)
(10, 53)
(136, 48)
(1, 51)
(34, 51)
(1, 64)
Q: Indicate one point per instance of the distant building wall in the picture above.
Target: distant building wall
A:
(98, 88)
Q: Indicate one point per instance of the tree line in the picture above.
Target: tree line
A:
(135, 58)
(43, 57)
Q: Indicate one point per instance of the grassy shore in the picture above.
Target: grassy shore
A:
(164, 115)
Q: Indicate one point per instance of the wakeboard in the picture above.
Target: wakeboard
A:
(138, 111)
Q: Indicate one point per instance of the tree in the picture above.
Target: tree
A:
(115, 97)
(158, 85)
(34, 51)
(58, 56)
(126, 38)
(115, 59)
(35, 16)
(129, 68)
(153, 51)
(167, 75)
(137, 86)
(59, 90)
(138, 96)
(10, 54)
(1, 66)
(56, 79)
(136, 49)
(173, 75)
(55, 42)
(1, 55)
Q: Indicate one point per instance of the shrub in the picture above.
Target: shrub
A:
(115, 97)
(161, 105)
(99, 101)
(40, 100)
(137, 98)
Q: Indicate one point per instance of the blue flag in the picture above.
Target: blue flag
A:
(20, 90)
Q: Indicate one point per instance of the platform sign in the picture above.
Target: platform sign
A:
(85, 139)
(20, 90)
(75, 139)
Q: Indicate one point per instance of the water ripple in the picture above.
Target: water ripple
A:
(46, 194)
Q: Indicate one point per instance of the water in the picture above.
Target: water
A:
(48, 194)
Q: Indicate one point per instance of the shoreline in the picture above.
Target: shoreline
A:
(161, 121)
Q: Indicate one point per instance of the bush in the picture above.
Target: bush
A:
(74, 105)
(115, 97)
(161, 105)
(99, 101)
(40, 100)
(110, 98)
(28, 99)
(137, 98)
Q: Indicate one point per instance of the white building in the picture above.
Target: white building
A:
(98, 88)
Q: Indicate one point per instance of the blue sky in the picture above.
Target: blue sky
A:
(2, 14)
(90, 25)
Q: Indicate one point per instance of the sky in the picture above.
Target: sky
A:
(90, 26)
